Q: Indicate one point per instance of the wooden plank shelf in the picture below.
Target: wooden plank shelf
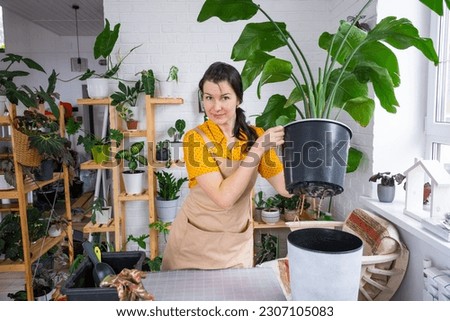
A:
(12, 266)
(43, 245)
(91, 165)
(123, 197)
(94, 102)
(99, 228)
(13, 207)
(135, 133)
(37, 249)
(262, 225)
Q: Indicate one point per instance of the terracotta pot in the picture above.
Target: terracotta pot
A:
(132, 124)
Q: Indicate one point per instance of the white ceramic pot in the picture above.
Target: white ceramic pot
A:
(103, 216)
(98, 88)
(271, 216)
(54, 231)
(167, 89)
(134, 182)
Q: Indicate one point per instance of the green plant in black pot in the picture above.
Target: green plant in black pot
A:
(355, 58)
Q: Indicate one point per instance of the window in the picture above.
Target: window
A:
(438, 113)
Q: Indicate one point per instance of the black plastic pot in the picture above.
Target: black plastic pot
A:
(45, 171)
(315, 156)
(76, 189)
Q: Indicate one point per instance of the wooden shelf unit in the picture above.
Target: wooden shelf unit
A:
(32, 252)
(118, 224)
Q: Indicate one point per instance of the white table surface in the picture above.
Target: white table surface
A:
(255, 284)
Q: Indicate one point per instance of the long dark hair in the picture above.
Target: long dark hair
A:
(218, 72)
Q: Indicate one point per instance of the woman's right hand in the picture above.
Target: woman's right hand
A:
(271, 138)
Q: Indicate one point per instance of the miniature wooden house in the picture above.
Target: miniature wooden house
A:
(440, 189)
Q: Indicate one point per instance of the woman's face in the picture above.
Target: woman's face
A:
(220, 102)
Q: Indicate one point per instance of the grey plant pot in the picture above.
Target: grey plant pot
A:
(385, 194)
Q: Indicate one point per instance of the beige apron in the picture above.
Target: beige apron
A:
(204, 236)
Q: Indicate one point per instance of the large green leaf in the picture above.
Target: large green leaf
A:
(259, 36)
(349, 87)
(436, 5)
(401, 34)
(354, 38)
(360, 109)
(354, 159)
(382, 84)
(275, 113)
(227, 10)
(253, 67)
(380, 54)
(106, 40)
(360, 48)
(275, 70)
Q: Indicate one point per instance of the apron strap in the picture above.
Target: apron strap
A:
(209, 144)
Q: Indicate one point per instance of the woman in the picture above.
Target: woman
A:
(223, 157)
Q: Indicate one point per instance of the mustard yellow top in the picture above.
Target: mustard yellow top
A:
(199, 160)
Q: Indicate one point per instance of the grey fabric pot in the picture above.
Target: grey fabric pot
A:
(324, 264)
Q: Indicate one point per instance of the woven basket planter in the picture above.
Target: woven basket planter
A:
(23, 153)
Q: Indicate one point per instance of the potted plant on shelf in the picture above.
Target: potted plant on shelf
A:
(133, 178)
(176, 132)
(167, 87)
(163, 153)
(125, 100)
(148, 82)
(99, 147)
(260, 204)
(167, 195)
(271, 212)
(101, 212)
(38, 142)
(99, 86)
(386, 187)
(354, 59)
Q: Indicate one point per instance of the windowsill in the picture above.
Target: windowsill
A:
(393, 212)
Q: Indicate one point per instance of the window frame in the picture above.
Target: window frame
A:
(436, 132)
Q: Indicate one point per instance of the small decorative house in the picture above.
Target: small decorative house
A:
(440, 189)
